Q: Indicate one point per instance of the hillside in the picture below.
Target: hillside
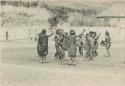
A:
(13, 14)
(20, 15)
(79, 4)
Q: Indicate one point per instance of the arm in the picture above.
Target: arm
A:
(98, 37)
(84, 35)
(50, 34)
(81, 33)
(38, 38)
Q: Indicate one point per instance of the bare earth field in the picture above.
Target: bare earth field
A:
(20, 67)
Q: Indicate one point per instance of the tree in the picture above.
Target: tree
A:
(60, 14)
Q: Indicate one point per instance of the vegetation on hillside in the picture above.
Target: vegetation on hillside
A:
(59, 13)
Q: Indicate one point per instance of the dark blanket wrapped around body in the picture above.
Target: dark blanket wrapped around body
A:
(42, 46)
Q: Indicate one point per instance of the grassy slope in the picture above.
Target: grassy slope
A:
(33, 15)
(28, 16)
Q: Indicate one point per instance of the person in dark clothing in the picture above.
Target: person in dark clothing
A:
(79, 42)
(7, 35)
(42, 46)
(89, 46)
(81, 45)
(72, 48)
(95, 47)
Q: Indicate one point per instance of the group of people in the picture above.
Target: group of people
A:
(68, 42)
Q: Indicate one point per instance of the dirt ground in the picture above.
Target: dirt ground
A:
(21, 67)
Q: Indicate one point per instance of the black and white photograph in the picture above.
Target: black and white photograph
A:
(62, 43)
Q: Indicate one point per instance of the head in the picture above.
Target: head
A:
(60, 33)
(80, 36)
(87, 35)
(90, 33)
(66, 33)
(93, 34)
(57, 31)
(107, 33)
(44, 31)
(72, 32)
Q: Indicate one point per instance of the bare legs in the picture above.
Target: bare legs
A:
(73, 61)
(107, 46)
(42, 59)
(108, 53)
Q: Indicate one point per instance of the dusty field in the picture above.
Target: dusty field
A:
(20, 67)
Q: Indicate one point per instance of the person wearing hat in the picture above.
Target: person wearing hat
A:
(42, 45)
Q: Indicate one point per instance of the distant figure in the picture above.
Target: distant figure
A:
(36, 37)
(7, 35)
(31, 34)
(107, 42)
(42, 46)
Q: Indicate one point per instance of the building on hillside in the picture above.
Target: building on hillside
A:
(113, 15)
